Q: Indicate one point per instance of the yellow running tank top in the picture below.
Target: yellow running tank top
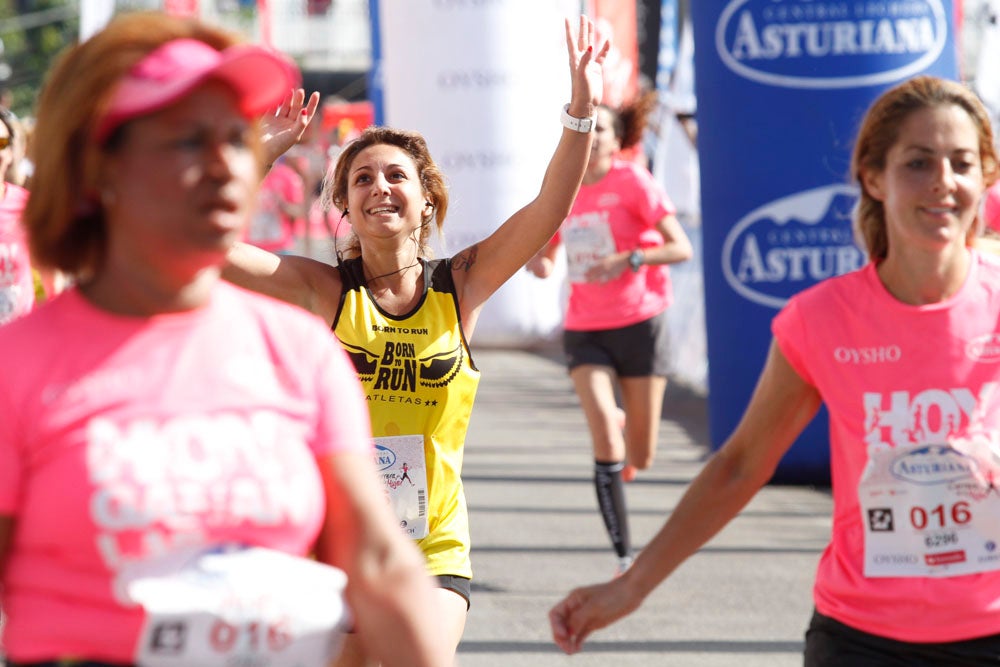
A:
(419, 379)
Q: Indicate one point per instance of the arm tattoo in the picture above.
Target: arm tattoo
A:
(464, 260)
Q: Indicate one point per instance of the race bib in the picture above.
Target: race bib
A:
(234, 605)
(265, 224)
(585, 244)
(401, 465)
(931, 510)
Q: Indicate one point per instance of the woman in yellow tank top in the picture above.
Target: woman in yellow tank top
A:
(406, 321)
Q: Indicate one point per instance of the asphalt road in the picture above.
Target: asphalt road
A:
(744, 600)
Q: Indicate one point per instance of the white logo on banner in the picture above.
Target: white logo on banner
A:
(775, 42)
(791, 243)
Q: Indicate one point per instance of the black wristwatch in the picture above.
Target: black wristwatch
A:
(635, 260)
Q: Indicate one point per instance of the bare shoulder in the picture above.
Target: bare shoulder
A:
(463, 264)
(324, 286)
(465, 260)
(301, 281)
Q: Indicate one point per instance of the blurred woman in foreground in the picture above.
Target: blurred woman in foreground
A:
(172, 447)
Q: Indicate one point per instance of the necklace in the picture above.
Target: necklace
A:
(369, 281)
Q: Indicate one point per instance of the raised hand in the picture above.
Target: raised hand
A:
(282, 129)
(586, 67)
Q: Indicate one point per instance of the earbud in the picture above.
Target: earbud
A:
(346, 211)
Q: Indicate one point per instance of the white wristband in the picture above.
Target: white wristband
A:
(584, 125)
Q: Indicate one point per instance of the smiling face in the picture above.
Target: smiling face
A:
(932, 181)
(384, 194)
(179, 187)
(605, 145)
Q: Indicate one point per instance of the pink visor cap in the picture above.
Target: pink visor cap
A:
(261, 78)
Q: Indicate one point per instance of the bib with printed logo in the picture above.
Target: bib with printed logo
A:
(931, 510)
(586, 244)
(400, 462)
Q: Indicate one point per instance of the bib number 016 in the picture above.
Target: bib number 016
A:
(260, 636)
(941, 516)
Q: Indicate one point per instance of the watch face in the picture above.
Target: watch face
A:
(635, 260)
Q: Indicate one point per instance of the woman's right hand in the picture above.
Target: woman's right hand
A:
(588, 609)
(538, 266)
(586, 68)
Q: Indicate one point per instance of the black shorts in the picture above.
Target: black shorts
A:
(637, 350)
(830, 643)
(460, 585)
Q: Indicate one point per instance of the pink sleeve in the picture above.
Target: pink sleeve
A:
(790, 336)
(652, 201)
(991, 207)
(343, 424)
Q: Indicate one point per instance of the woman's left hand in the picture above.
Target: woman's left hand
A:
(607, 269)
(282, 129)
(586, 67)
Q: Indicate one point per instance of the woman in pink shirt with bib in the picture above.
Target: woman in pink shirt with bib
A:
(173, 448)
(619, 238)
(905, 354)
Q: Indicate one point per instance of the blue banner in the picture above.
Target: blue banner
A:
(782, 86)
(375, 86)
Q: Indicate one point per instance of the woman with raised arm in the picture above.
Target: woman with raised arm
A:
(173, 449)
(903, 353)
(406, 320)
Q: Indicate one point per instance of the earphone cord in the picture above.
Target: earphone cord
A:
(369, 281)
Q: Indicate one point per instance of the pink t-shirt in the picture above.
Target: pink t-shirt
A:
(17, 290)
(991, 207)
(123, 437)
(898, 378)
(618, 213)
(269, 227)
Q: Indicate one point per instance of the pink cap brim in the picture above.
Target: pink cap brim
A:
(262, 79)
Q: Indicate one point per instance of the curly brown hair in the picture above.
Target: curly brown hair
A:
(630, 120)
(431, 179)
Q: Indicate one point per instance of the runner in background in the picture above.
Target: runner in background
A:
(407, 320)
(279, 216)
(991, 210)
(17, 285)
(903, 354)
(619, 238)
(172, 448)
